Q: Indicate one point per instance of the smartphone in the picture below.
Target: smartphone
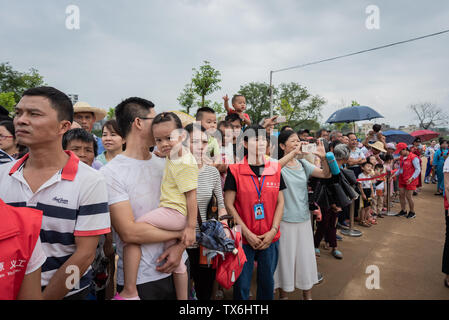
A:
(281, 119)
(309, 148)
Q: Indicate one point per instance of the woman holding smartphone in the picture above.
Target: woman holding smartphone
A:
(297, 266)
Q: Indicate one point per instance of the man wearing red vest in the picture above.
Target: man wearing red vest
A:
(408, 174)
(21, 254)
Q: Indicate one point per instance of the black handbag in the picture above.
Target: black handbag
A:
(347, 188)
(349, 176)
(341, 199)
(212, 208)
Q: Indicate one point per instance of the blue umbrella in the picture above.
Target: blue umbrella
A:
(398, 136)
(352, 114)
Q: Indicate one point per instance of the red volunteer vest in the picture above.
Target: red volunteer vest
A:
(19, 232)
(408, 169)
(246, 196)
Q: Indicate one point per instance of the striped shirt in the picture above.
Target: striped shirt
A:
(74, 204)
(4, 157)
(208, 181)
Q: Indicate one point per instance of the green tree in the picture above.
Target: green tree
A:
(187, 98)
(111, 113)
(312, 125)
(17, 82)
(7, 100)
(298, 105)
(258, 100)
(205, 81)
(216, 106)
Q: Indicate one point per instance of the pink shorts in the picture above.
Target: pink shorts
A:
(167, 219)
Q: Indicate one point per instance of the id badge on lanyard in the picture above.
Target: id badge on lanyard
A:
(258, 208)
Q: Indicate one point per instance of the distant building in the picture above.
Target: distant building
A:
(410, 128)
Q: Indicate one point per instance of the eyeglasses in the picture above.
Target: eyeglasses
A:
(144, 118)
(5, 137)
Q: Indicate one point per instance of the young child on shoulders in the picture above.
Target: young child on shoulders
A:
(177, 207)
(238, 102)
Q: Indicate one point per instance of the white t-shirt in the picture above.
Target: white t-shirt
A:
(139, 182)
(365, 184)
(357, 154)
(37, 258)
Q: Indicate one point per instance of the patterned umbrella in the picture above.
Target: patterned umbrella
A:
(425, 135)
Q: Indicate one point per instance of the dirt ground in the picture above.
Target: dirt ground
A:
(407, 252)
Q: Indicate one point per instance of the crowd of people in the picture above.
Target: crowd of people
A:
(124, 211)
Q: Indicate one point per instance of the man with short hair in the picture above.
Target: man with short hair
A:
(323, 134)
(72, 196)
(86, 116)
(335, 135)
(357, 157)
(134, 183)
(83, 144)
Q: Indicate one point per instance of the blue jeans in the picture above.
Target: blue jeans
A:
(267, 261)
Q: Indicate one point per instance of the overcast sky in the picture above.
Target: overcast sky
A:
(148, 49)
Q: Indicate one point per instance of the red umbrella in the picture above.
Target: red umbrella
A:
(425, 135)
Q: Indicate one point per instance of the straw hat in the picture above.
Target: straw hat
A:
(85, 107)
(378, 146)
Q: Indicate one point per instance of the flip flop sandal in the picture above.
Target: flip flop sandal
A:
(337, 254)
(317, 252)
(364, 224)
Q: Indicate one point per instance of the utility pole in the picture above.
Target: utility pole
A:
(271, 94)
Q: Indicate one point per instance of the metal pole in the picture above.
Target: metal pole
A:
(351, 232)
(389, 213)
(271, 94)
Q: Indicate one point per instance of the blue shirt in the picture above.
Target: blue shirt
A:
(438, 158)
(99, 144)
(296, 197)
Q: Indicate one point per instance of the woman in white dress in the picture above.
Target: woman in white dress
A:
(297, 262)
